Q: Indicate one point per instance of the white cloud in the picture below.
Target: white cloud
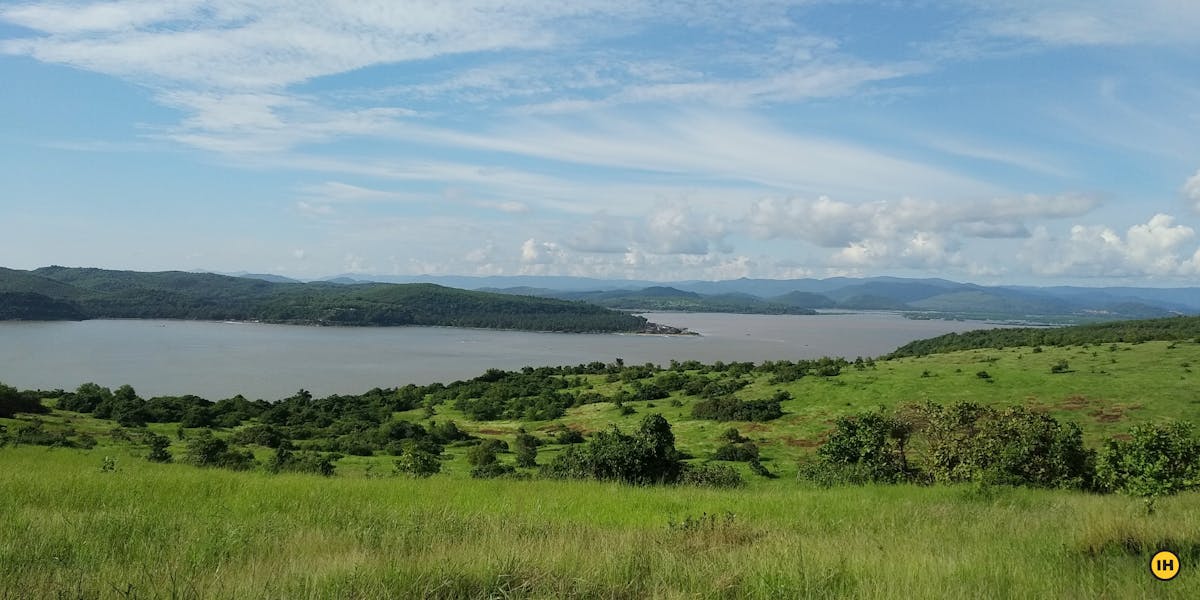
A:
(830, 223)
(1097, 22)
(675, 229)
(1191, 191)
(534, 252)
(1157, 248)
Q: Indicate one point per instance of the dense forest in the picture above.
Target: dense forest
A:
(59, 293)
(1166, 329)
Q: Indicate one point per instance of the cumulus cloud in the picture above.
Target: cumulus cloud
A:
(1157, 248)
(669, 228)
(909, 233)
(1191, 191)
(831, 223)
(534, 252)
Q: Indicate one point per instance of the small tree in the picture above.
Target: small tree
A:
(1156, 460)
(158, 448)
(527, 449)
(418, 460)
(483, 461)
(866, 447)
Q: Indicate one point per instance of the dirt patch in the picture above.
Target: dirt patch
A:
(1075, 402)
(1108, 415)
(802, 443)
(755, 427)
(494, 432)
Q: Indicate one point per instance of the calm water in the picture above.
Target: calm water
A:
(217, 360)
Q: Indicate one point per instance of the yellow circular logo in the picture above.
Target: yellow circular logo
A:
(1165, 565)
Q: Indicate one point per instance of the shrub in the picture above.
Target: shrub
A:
(733, 436)
(13, 402)
(418, 460)
(759, 469)
(648, 456)
(302, 462)
(729, 408)
(207, 450)
(1014, 446)
(743, 452)
(568, 436)
(866, 447)
(262, 435)
(1156, 460)
(711, 475)
(158, 448)
(1060, 367)
(526, 448)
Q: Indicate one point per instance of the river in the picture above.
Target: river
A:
(218, 360)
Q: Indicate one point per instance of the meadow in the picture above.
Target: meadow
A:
(150, 530)
(105, 522)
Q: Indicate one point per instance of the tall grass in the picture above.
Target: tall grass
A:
(148, 530)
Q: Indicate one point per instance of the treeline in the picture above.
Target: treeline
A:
(58, 293)
(1166, 329)
(1014, 446)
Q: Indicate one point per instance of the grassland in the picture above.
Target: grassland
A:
(67, 529)
(148, 530)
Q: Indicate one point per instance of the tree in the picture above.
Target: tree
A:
(158, 448)
(866, 447)
(1156, 460)
(418, 460)
(483, 460)
(527, 449)
(649, 456)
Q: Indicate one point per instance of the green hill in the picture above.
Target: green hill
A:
(661, 298)
(1166, 329)
(53, 293)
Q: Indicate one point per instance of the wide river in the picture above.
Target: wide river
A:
(218, 360)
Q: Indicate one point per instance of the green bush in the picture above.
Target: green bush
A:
(158, 448)
(743, 452)
(1156, 460)
(1013, 446)
(711, 475)
(418, 459)
(866, 447)
(648, 456)
(729, 408)
(526, 449)
(207, 450)
(13, 402)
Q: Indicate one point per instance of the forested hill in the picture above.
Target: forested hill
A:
(1167, 329)
(61, 293)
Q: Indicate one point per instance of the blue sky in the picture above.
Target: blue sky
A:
(996, 141)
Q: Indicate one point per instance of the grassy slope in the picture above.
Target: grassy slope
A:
(164, 530)
(305, 536)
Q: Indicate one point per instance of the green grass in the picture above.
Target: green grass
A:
(147, 530)
(1109, 388)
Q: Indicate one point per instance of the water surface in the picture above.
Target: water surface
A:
(218, 360)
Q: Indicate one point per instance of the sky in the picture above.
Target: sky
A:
(992, 141)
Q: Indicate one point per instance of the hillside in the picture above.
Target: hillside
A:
(55, 293)
(662, 298)
(487, 524)
(1168, 329)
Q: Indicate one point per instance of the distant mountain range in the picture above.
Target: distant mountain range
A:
(921, 297)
